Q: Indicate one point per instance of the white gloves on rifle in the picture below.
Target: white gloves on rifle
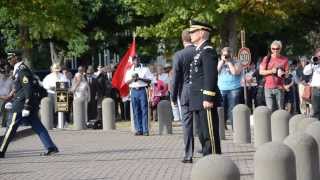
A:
(8, 106)
(25, 113)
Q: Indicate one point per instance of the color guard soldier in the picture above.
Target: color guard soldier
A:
(204, 91)
(181, 90)
(25, 106)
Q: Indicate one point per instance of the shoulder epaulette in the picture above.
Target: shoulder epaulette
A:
(208, 47)
(22, 66)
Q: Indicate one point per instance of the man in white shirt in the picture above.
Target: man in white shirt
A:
(49, 83)
(138, 78)
(314, 69)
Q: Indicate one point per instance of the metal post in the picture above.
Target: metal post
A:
(60, 120)
(104, 57)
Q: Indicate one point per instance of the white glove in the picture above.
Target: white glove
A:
(8, 106)
(25, 113)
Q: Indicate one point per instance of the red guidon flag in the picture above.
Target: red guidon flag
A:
(124, 65)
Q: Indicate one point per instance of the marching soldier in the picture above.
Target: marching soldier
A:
(181, 88)
(25, 106)
(203, 90)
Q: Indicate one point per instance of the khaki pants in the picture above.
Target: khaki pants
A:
(305, 107)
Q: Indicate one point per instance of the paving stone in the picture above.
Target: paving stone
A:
(116, 155)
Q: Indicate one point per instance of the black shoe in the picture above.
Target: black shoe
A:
(137, 133)
(1, 154)
(50, 152)
(186, 160)
(146, 134)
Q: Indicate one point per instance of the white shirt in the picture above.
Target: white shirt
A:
(6, 85)
(143, 72)
(164, 77)
(49, 82)
(315, 69)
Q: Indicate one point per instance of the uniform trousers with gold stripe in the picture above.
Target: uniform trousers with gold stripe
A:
(200, 117)
(36, 125)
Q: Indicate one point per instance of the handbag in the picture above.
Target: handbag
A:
(307, 93)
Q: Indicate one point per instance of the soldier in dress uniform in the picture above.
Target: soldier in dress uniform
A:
(25, 106)
(181, 90)
(204, 91)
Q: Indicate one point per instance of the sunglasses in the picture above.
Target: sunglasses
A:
(275, 49)
(226, 55)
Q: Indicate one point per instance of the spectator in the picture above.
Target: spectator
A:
(274, 68)
(288, 91)
(49, 83)
(302, 81)
(251, 84)
(6, 93)
(314, 69)
(67, 74)
(92, 104)
(159, 89)
(80, 89)
(229, 77)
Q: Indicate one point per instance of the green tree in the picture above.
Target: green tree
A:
(27, 22)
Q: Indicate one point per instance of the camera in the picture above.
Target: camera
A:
(135, 77)
(315, 60)
(280, 72)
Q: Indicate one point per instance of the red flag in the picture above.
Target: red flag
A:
(124, 65)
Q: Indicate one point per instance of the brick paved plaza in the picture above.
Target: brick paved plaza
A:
(96, 154)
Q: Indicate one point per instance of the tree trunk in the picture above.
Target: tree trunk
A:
(25, 44)
(228, 32)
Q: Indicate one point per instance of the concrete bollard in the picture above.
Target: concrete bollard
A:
(314, 130)
(241, 124)
(215, 167)
(78, 114)
(46, 112)
(108, 114)
(280, 125)
(262, 125)
(293, 122)
(305, 149)
(274, 160)
(304, 123)
(221, 123)
(165, 117)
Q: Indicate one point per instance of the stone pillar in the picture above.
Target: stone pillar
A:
(165, 117)
(274, 160)
(221, 122)
(293, 122)
(305, 149)
(304, 123)
(215, 167)
(79, 114)
(108, 114)
(241, 124)
(262, 125)
(46, 112)
(280, 125)
(314, 130)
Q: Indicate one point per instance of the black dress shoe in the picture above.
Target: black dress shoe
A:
(50, 151)
(138, 133)
(186, 161)
(1, 154)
